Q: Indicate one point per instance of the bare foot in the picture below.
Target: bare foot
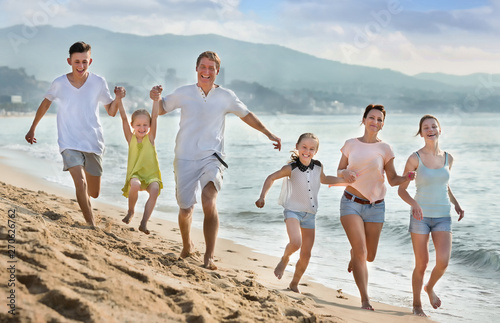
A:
(417, 310)
(143, 229)
(433, 298)
(186, 252)
(294, 287)
(280, 268)
(209, 264)
(366, 305)
(128, 217)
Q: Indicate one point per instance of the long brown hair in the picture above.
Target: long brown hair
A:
(425, 117)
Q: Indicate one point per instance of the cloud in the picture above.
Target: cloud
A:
(380, 33)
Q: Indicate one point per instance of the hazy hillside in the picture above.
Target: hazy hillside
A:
(472, 80)
(268, 77)
(138, 60)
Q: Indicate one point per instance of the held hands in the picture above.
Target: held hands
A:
(260, 203)
(120, 92)
(349, 176)
(155, 93)
(411, 175)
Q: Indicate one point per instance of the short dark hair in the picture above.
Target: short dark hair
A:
(374, 106)
(211, 56)
(79, 47)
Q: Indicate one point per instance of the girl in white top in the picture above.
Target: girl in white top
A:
(362, 208)
(303, 177)
(430, 210)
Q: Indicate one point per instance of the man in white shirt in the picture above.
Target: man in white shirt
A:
(80, 139)
(199, 148)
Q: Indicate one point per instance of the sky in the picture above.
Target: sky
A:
(457, 37)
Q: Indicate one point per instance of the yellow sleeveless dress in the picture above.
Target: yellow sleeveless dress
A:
(142, 164)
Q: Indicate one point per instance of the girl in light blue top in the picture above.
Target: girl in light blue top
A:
(430, 210)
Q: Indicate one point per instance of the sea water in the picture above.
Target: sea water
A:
(471, 284)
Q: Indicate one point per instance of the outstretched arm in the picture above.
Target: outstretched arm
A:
(254, 122)
(284, 171)
(154, 117)
(126, 127)
(112, 108)
(416, 210)
(42, 109)
(328, 179)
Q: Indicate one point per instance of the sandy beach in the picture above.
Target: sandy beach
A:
(65, 271)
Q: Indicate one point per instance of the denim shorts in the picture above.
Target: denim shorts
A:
(306, 220)
(428, 225)
(368, 212)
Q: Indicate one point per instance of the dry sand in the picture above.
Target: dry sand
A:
(66, 271)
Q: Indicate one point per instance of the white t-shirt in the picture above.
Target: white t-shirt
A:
(202, 124)
(78, 124)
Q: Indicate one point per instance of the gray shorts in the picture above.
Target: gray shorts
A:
(190, 175)
(428, 225)
(92, 163)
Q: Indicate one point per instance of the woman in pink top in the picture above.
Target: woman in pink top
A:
(362, 207)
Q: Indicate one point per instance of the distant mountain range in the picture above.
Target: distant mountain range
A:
(143, 61)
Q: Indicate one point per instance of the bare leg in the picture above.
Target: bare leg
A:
(153, 190)
(185, 220)
(442, 245)
(133, 194)
(372, 234)
(355, 230)
(93, 185)
(82, 196)
(421, 250)
(210, 223)
(305, 256)
(293, 230)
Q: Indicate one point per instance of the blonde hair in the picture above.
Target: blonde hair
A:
(307, 135)
(139, 112)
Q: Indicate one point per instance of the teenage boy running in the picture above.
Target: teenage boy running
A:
(80, 139)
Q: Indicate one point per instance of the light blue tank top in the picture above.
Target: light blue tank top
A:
(432, 189)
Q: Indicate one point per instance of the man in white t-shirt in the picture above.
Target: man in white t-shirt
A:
(199, 147)
(79, 129)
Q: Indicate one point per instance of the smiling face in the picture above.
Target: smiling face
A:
(307, 148)
(141, 125)
(430, 129)
(207, 72)
(80, 63)
(374, 120)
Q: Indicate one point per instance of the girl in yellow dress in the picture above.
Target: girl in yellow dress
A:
(143, 171)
